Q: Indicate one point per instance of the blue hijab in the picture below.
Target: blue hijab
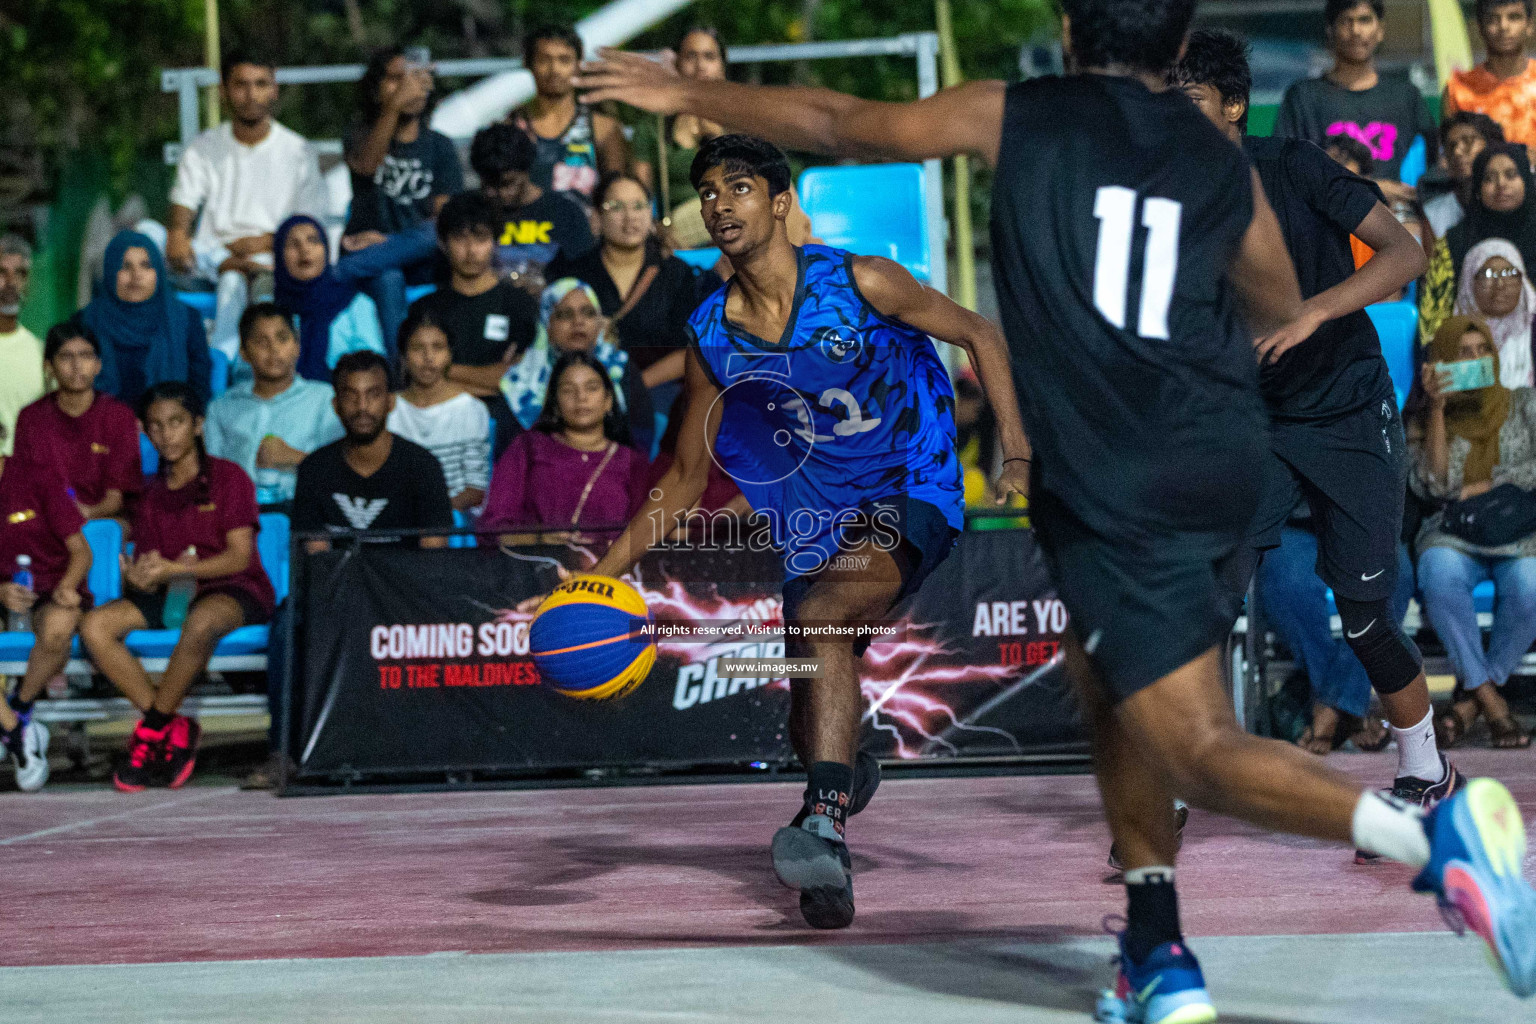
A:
(316, 302)
(157, 327)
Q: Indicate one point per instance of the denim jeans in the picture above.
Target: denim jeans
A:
(383, 270)
(1295, 600)
(1446, 578)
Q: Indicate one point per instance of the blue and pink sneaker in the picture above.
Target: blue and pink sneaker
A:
(1475, 870)
(1166, 989)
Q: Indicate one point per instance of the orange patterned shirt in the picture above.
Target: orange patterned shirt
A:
(1509, 101)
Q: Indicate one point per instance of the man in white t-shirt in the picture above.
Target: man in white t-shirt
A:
(21, 354)
(245, 177)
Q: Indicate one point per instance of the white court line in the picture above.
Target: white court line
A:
(72, 826)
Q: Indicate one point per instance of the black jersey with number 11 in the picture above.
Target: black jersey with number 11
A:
(1115, 211)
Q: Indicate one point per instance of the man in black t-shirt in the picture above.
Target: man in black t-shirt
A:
(537, 225)
(489, 320)
(1126, 234)
(1336, 437)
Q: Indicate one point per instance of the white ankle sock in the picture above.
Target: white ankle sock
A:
(1140, 876)
(1417, 754)
(1391, 829)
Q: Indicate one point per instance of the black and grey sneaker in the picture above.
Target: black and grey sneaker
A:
(1421, 793)
(813, 858)
(1180, 819)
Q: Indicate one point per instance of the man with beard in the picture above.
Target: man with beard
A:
(21, 354)
(246, 177)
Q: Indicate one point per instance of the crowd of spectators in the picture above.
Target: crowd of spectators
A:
(530, 389)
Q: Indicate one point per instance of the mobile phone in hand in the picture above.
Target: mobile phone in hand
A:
(1467, 374)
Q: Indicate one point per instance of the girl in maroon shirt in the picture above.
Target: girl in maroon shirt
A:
(38, 520)
(196, 518)
(90, 436)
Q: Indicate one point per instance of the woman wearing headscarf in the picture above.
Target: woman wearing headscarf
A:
(1504, 206)
(1495, 290)
(571, 320)
(147, 335)
(1464, 444)
(332, 314)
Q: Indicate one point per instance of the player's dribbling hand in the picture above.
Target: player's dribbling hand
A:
(1271, 348)
(529, 605)
(631, 78)
(1013, 480)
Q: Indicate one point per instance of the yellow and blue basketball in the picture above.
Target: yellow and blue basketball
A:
(586, 640)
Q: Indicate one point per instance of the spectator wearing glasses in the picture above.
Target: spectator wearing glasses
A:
(402, 174)
(91, 437)
(646, 293)
(1495, 290)
(237, 183)
(537, 224)
(1463, 137)
(21, 354)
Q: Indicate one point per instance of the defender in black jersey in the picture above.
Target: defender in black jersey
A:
(1128, 257)
(1336, 437)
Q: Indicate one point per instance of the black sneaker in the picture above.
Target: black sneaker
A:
(1180, 819)
(813, 858)
(1421, 793)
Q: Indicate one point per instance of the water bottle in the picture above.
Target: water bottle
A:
(21, 622)
(178, 597)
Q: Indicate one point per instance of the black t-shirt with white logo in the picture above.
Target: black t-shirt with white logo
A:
(402, 192)
(407, 492)
(487, 328)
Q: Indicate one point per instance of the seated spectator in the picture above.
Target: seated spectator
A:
(40, 521)
(1495, 290)
(570, 320)
(574, 468)
(537, 225)
(1352, 100)
(1503, 86)
(402, 174)
(1464, 445)
(368, 480)
(575, 143)
(245, 177)
(489, 321)
(92, 438)
(439, 415)
(646, 293)
(145, 334)
(196, 520)
(1463, 137)
(1505, 208)
(268, 424)
(333, 314)
(1294, 600)
(21, 354)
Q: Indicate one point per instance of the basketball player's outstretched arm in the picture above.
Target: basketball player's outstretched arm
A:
(963, 119)
(1262, 273)
(897, 295)
(1398, 259)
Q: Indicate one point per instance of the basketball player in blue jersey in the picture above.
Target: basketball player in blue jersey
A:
(1138, 264)
(813, 383)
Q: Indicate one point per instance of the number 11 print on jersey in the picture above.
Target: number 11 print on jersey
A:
(1115, 208)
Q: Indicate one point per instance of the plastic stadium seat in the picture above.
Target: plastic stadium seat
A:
(105, 536)
(1482, 599)
(461, 540)
(875, 210)
(272, 546)
(147, 454)
(1414, 162)
(416, 291)
(203, 302)
(218, 373)
(1397, 324)
(700, 259)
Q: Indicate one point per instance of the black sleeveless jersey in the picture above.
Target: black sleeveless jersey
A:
(1115, 211)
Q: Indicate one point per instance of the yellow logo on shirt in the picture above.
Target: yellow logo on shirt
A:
(97, 448)
(526, 232)
(20, 517)
(210, 507)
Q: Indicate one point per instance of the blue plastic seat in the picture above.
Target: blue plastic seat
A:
(1397, 325)
(148, 457)
(218, 372)
(105, 537)
(416, 291)
(700, 259)
(1482, 599)
(874, 210)
(204, 302)
(1415, 162)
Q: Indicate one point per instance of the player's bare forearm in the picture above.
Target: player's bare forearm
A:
(1398, 259)
(79, 566)
(655, 521)
(964, 119)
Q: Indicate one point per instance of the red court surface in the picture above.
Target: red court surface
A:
(215, 874)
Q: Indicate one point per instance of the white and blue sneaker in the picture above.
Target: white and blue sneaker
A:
(1476, 854)
(1168, 988)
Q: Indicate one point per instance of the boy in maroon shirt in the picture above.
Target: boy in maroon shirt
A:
(39, 521)
(197, 518)
(90, 436)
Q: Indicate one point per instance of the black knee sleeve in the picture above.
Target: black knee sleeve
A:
(1391, 659)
